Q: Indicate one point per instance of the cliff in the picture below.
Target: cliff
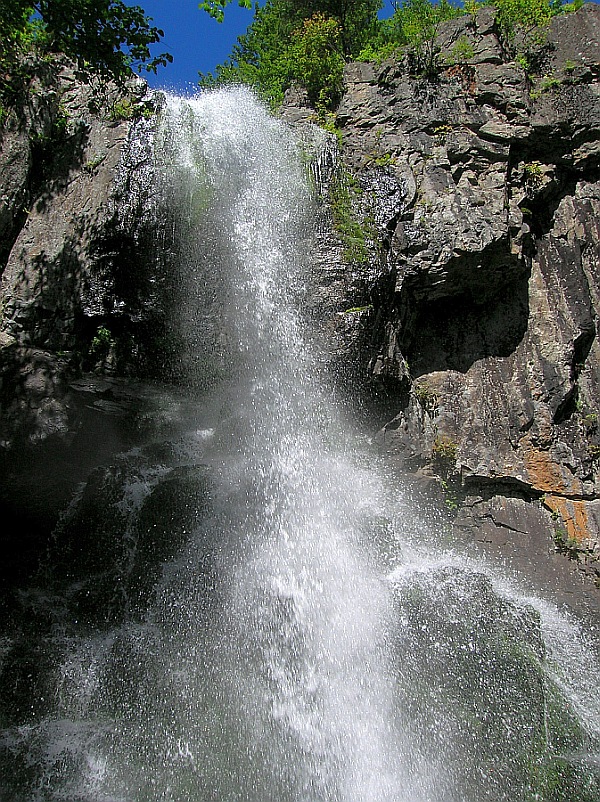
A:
(475, 312)
(455, 282)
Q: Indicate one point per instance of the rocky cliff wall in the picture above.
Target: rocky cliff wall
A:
(85, 295)
(475, 313)
(82, 284)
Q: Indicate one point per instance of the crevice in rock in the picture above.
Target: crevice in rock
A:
(581, 349)
(487, 487)
(454, 333)
(502, 524)
(510, 487)
(10, 237)
(544, 204)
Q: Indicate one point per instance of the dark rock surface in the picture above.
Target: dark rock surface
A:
(76, 281)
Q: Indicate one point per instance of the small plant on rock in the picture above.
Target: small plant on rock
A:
(343, 194)
(534, 175)
(549, 82)
(101, 344)
(443, 454)
(426, 396)
(462, 52)
(565, 543)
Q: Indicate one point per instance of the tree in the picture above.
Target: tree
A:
(216, 8)
(417, 23)
(524, 24)
(318, 62)
(303, 41)
(261, 57)
(357, 18)
(104, 37)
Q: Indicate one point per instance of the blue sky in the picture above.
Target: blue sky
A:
(196, 41)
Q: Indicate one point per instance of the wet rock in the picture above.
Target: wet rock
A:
(106, 554)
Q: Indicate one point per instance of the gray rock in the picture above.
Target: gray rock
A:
(485, 287)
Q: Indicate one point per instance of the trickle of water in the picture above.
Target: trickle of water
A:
(257, 615)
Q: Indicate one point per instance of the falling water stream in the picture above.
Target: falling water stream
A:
(254, 612)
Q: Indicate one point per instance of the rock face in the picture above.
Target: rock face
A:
(76, 290)
(477, 311)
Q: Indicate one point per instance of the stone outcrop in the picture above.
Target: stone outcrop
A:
(75, 288)
(477, 311)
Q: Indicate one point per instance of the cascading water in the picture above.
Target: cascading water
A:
(271, 624)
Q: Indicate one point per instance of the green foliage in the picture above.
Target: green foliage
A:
(549, 82)
(443, 454)
(216, 8)
(532, 170)
(343, 192)
(377, 53)
(382, 43)
(385, 160)
(328, 122)
(101, 344)
(92, 164)
(128, 108)
(523, 27)
(261, 57)
(450, 495)
(462, 51)
(357, 19)
(103, 37)
(417, 23)
(426, 396)
(318, 60)
(514, 16)
(44, 143)
(533, 174)
(565, 544)
(307, 41)
(304, 42)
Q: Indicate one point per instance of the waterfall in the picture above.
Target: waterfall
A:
(274, 622)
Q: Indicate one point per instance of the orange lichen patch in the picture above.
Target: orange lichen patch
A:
(572, 515)
(546, 475)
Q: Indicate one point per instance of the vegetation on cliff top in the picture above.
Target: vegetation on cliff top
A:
(307, 42)
(104, 38)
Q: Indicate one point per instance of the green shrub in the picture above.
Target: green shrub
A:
(462, 51)
(425, 395)
(549, 82)
(318, 61)
(101, 344)
(443, 455)
(377, 53)
(343, 193)
(418, 22)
